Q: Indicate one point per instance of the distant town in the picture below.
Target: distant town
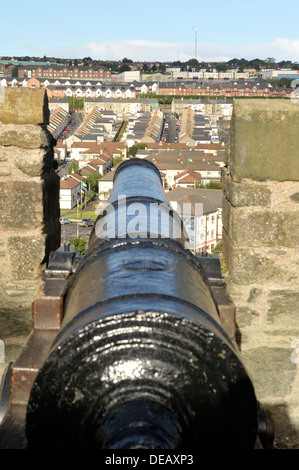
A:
(177, 115)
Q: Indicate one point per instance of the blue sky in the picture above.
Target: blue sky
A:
(153, 30)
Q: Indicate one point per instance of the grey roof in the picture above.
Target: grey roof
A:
(239, 84)
(61, 67)
(193, 196)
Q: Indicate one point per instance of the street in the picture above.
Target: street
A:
(169, 132)
(69, 231)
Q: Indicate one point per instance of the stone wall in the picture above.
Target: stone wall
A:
(29, 209)
(261, 250)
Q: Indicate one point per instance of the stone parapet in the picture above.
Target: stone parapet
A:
(260, 246)
(29, 208)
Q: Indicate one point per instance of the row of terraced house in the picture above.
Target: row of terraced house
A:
(99, 88)
(60, 88)
(254, 88)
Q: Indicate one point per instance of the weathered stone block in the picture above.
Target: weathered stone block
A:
(21, 205)
(273, 371)
(264, 136)
(15, 321)
(249, 227)
(20, 292)
(245, 193)
(26, 136)
(245, 316)
(26, 255)
(283, 312)
(32, 162)
(24, 106)
(252, 266)
(254, 228)
(289, 229)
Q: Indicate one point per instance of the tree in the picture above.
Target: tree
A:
(255, 63)
(192, 63)
(124, 68)
(218, 248)
(73, 167)
(286, 82)
(76, 102)
(269, 60)
(93, 180)
(214, 185)
(221, 67)
(80, 245)
(14, 72)
(133, 150)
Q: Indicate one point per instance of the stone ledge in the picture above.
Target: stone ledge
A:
(245, 193)
(32, 162)
(263, 137)
(25, 135)
(260, 265)
(254, 227)
(24, 106)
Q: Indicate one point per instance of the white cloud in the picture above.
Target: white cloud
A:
(279, 49)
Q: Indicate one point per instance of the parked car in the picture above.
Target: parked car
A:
(64, 221)
(86, 223)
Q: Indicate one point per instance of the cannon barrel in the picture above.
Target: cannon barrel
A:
(142, 360)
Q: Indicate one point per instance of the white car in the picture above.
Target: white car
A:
(64, 221)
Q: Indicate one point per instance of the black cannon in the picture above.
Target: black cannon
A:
(141, 358)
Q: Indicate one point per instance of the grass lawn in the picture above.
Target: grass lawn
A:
(73, 214)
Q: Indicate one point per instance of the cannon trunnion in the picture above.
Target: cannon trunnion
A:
(141, 358)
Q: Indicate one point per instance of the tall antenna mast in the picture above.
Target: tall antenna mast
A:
(195, 43)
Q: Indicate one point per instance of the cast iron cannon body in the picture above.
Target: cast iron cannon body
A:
(141, 359)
